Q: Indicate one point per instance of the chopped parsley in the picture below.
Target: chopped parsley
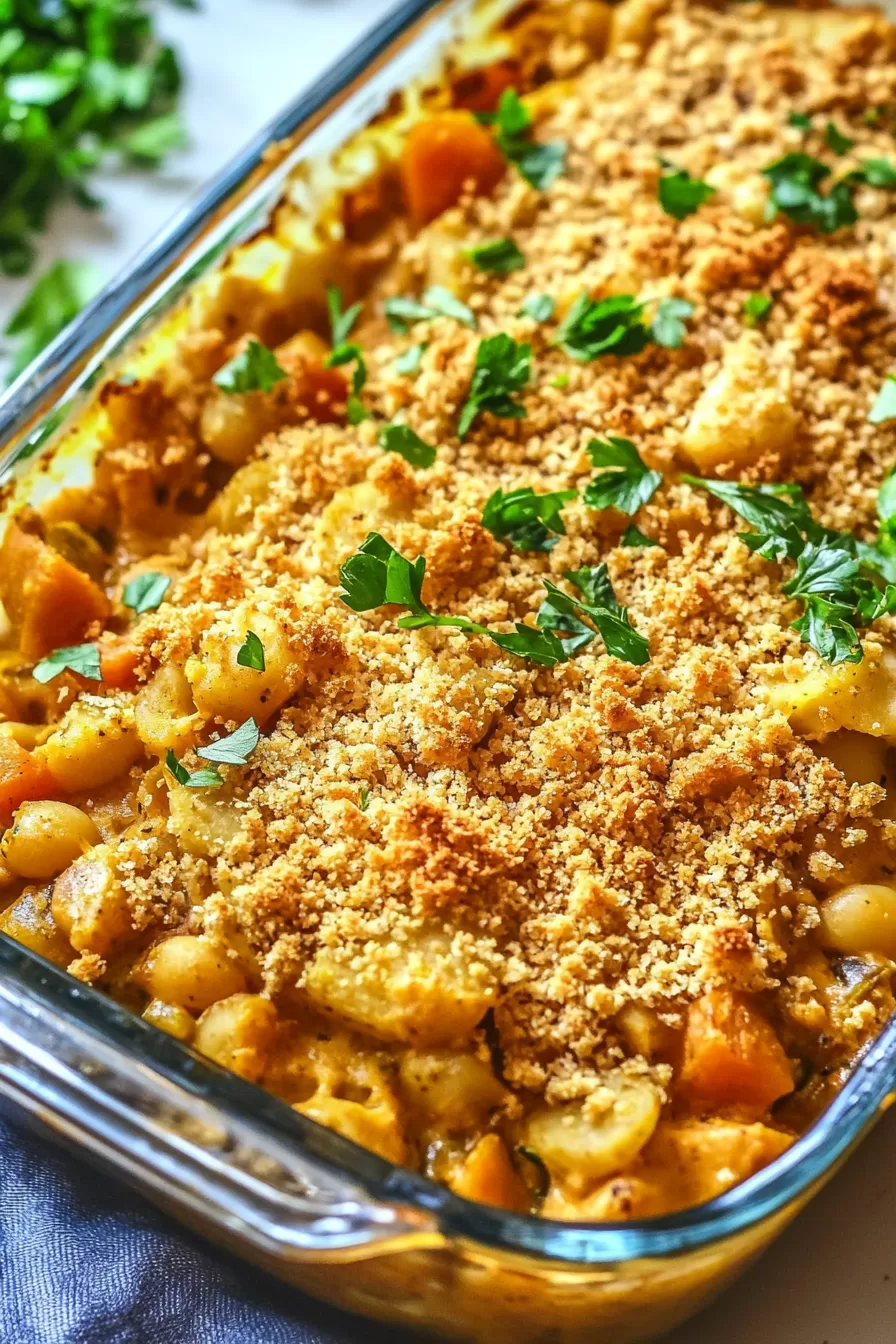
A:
(146, 591)
(756, 309)
(530, 522)
(540, 307)
(502, 368)
(437, 302)
(363, 799)
(84, 659)
(378, 575)
(559, 612)
(254, 369)
(561, 381)
(341, 323)
(795, 181)
(837, 141)
(347, 352)
(540, 164)
(625, 482)
(667, 327)
(633, 536)
(876, 173)
(401, 439)
(251, 653)
(800, 121)
(680, 194)
(409, 360)
(500, 257)
(235, 748)
(206, 778)
(595, 327)
(884, 407)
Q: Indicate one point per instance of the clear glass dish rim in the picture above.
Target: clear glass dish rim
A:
(787, 1180)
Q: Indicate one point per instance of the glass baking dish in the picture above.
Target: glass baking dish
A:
(233, 1161)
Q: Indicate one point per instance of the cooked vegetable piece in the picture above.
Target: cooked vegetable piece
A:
(444, 155)
(48, 600)
(23, 777)
(732, 1056)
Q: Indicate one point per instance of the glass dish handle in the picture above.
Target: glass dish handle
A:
(175, 1137)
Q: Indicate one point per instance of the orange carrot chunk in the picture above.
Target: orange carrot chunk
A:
(488, 1175)
(22, 779)
(118, 664)
(50, 603)
(732, 1056)
(443, 155)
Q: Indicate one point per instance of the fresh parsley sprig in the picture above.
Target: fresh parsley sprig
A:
(84, 659)
(437, 301)
(253, 369)
(502, 368)
(234, 749)
(347, 352)
(251, 653)
(146, 591)
(625, 481)
(530, 522)
(560, 612)
(595, 327)
(680, 194)
(667, 327)
(499, 257)
(540, 164)
(795, 191)
(884, 407)
(403, 440)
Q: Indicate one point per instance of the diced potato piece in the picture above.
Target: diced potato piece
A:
(191, 971)
(353, 511)
(30, 921)
(165, 715)
(744, 413)
(46, 837)
(644, 1033)
(746, 191)
(579, 1144)
(822, 28)
(732, 1056)
(443, 155)
(223, 688)
(237, 1033)
(860, 918)
(488, 1175)
(860, 757)
(50, 603)
(203, 825)
(96, 741)
(232, 510)
(860, 696)
(451, 1088)
(169, 1017)
(428, 991)
(90, 905)
(23, 776)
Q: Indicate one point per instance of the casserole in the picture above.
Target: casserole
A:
(611, 1307)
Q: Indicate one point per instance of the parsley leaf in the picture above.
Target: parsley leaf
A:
(251, 653)
(146, 591)
(341, 322)
(837, 141)
(378, 575)
(559, 612)
(409, 361)
(884, 407)
(363, 799)
(877, 173)
(539, 164)
(800, 121)
(795, 180)
(254, 369)
(667, 327)
(207, 778)
(54, 300)
(540, 307)
(530, 522)
(626, 483)
(633, 536)
(680, 194)
(437, 302)
(595, 327)
(502, 368)
(756, 309)
(235, 748)
(401, 439)
(349, 353)
(778, 512)
(84, 659)
(500, 257)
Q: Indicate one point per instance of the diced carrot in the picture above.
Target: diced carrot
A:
(320, 391)
(488, 1175)
(444, 154)
(479, 90)
(22, 779)
(118, 664)
(732, 1056)
(50, 603)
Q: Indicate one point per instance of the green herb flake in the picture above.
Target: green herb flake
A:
(502, 368)
(83, 659)
(563, 615)
(877, 173)
(540, 307)
(529, 522)
(409, 361)
(799, 121)
(442, 303)
(625, 481)
(561, 381)
(363, 799)
(251, 653)
(596, 327)
(667, 327)
(341, 322)
(207, 778)
(795, 191)
(884, 407)
(633, 536)
(235, 748)
(837, 141)
(53, 301)
(438, 301)
(756, 309)
(145, 592)
(680, 194)
(499, 257)
(401, 439)
(254, 369)
(540, 164)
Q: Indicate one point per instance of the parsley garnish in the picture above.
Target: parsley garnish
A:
(539, 164)
(81, 658)
(409, 361)
(502, 368)
(876, 173)
(53, 301)
(595, 327)
(884, 407)
(500, 257)
(401, 439)
(667, 327)
(530, 522)
(363, 799)
(680, 194)
(839, 143)
(437, 302)
(800, 121)
(540, 307)
(347, 352)
(254, 369)
(341, 322)
(626, 483)
(207, 778)
(251, 653)
(235, 748)
(795, 181)
(560, 612)
(378, 575)
(145, 592)
(633, 536)
(756, 309)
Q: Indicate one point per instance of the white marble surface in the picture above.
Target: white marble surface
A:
(832, 1278)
